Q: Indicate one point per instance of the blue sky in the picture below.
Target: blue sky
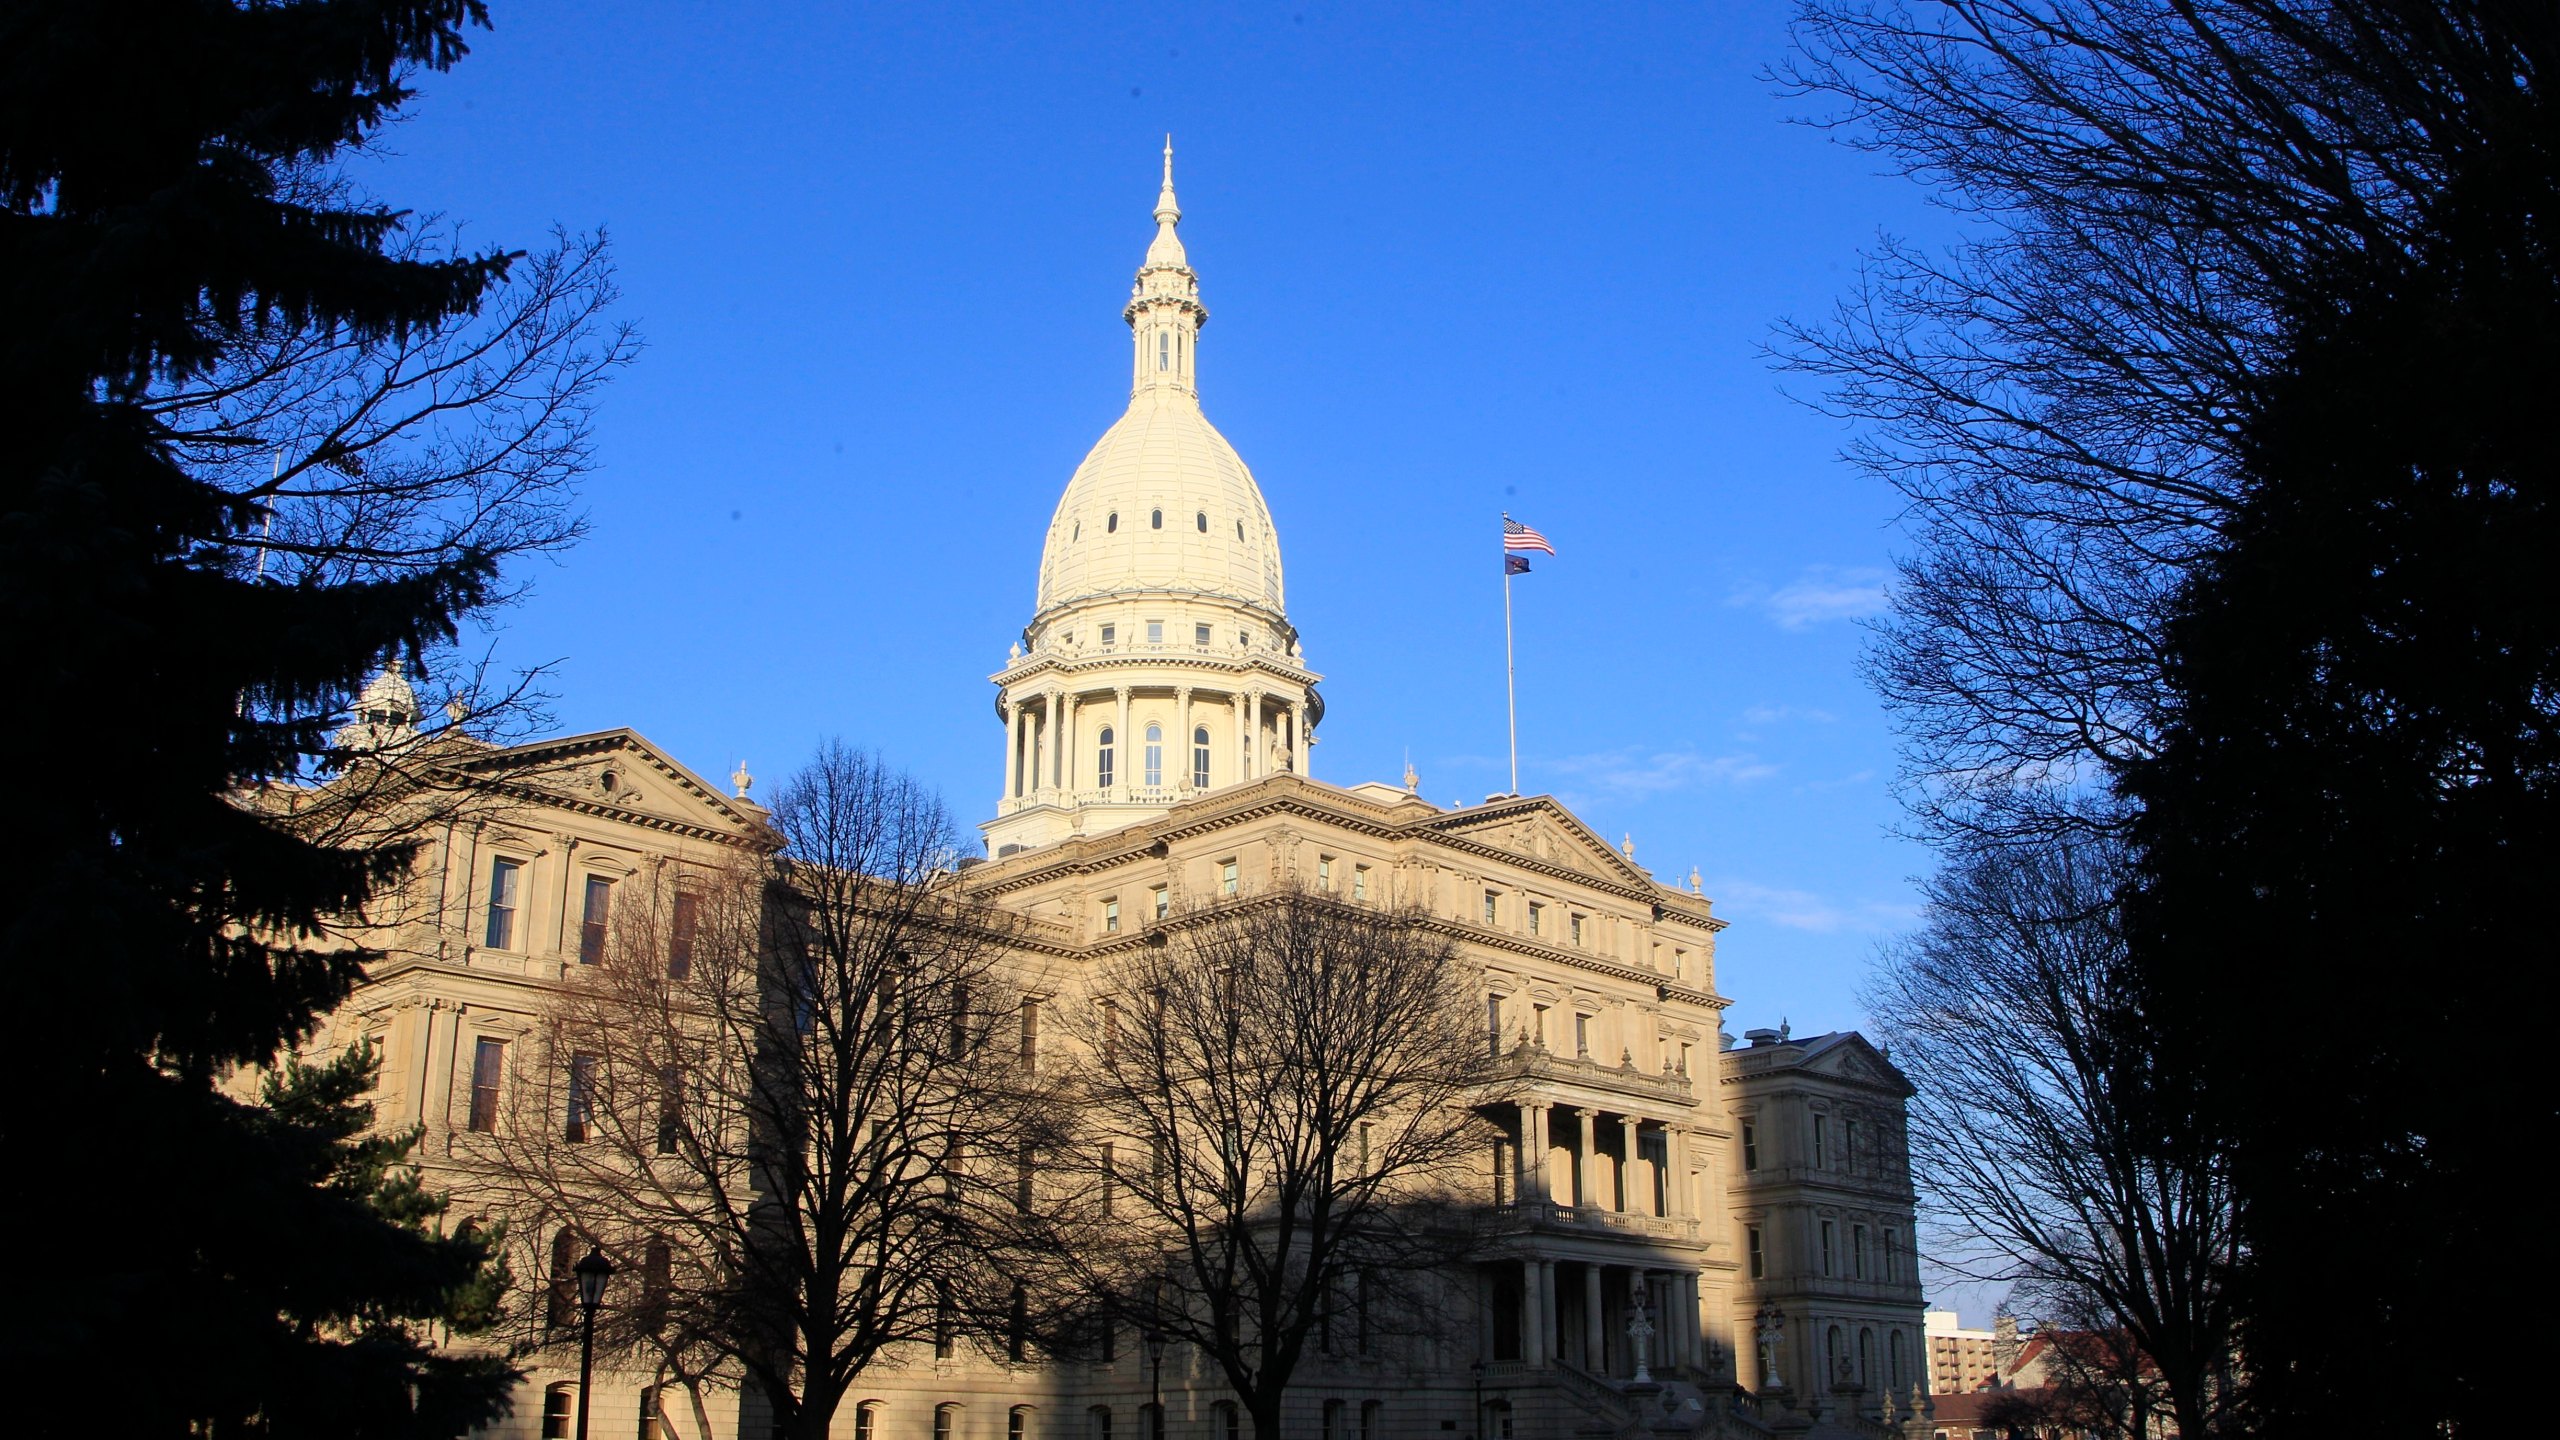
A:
(1458, 260)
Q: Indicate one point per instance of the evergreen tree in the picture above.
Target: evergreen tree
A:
(189, 1262)
(2347, 828)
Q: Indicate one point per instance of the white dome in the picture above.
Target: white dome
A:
(1162, 503)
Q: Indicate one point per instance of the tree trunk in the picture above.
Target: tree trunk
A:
(1265, 1410)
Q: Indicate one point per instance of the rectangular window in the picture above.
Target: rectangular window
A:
(1827, 1228)
(488, 1067)
(1759, 1258)
(1161, 901)
(1030, 1034)
(682, 926)
(1820, 1142)
(1155, 632)
(582, 1098)
(1750, 1146)
(1200, 635)
(1110, 633)
(1848, 1144)
(1679, 964)
(1582, 1035)
(1492, 908)
(1537, 917)
(1892, 1256)
(1111, 916)
(1575, 935)
(670, 1108)
(1858, 1252)
(1226, 877)
(1538, 1025)
(1359, 882)
(1324, 872)
(591, 922)
(506, 877)
(1493, 1023)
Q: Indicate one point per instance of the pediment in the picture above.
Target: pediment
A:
(619, 772)
(1539, 829)
(1850, 1057)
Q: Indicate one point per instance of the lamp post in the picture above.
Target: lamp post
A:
(592, 1272)
(1153, 1339)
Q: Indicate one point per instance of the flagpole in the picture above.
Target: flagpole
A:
(1510, 672)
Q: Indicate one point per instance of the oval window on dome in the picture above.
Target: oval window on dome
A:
(1239, 529)
(1155, 520)
(1203, 520)
(1111, 523)
(1077, 533)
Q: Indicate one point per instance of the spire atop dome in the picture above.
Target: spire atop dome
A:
(1167, 212)
(1164, 311)
(1166, 252)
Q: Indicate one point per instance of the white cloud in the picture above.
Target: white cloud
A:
(1638, 773)
(1805, 910)
(1819, 593)
(1780, 714)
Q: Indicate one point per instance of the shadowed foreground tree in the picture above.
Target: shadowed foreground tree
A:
(1280, 1133)
(2350, 830)
(775, 1099)
(158, 223)
(2053, 1156)
(2151, 194)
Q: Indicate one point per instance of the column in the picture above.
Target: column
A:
(1551, 1315)
(1533, 1153)
(1692, 1353)
(1675, 1183)
(1533, 1306)
(1012, 750)
(1630, 1169)
(1057, 750)
(1586, 1168)
(1182, 707)
(1124, 754)
(1235, 711)
(1253, 736)
(1067, 742)
(1595, 1340)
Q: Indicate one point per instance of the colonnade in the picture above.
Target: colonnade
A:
(1560, 1155)
(1546, 1311)
(1053, 742)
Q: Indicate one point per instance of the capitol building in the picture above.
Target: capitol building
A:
(1157, 716)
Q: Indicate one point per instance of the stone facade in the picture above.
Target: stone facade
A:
(1721, 1219)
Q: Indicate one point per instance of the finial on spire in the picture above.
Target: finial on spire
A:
(1167, 212)
(740, 778)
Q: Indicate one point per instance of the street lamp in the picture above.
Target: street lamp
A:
(1153, 1339)
(592, 1272)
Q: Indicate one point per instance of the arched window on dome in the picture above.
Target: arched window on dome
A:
(1076, 534)
(1111, 523)
(1155, 520)
(1164, 350)
(1155, 755)
(1239, 529)
(1200, 758)
(1102, 760)
(1203, 520)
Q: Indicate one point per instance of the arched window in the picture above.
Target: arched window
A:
(1076, 532)
(1155, 519)
(1111, 523)
(1239, 529)
(1018, 1424)
(1226, 1422)
(866, 1420)
(1373, 1421)
(1203, 520)
(1151, 1421)
(1200, 758)
(1102, 760)
(1333, 1420)
(1866, 1358)
(559, 1412)
(1097, 1423)
(563, 1309)
(946, 1421)
(1155, 755)
(1831, 1356)
(1164, 350)
(1893, 1360)
(657, 1278)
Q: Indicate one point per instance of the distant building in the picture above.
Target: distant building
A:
(1961, 1361)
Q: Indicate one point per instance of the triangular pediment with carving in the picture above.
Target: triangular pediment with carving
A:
(1850, 1057)
(1538, 828)
(618, 772)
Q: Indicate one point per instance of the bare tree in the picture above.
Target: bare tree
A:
(2049, 1153)
(770, 1098)
(2150, 193)
(1279, 1118)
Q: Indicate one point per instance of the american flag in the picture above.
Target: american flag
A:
(1518, 537)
